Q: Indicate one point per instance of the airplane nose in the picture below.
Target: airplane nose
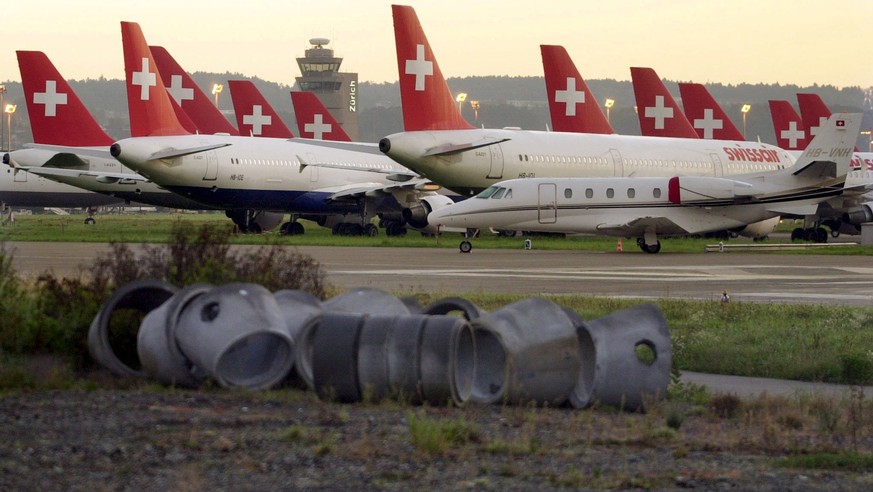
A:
(115, 150)
(385, 145)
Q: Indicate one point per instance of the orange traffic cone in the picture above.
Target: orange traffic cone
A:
(618, 248)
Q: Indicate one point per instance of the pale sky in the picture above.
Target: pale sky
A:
(757, 41)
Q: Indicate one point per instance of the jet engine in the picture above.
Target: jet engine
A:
(859, 215)
(416, 214)
(759, 229)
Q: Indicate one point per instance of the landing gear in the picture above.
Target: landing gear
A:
(649, 248)
(371, 230)
(293, 228)
(90, 221)
(812, 234)
(465, 246)
(393, 228)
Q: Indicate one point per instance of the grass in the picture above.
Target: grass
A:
(157, 228)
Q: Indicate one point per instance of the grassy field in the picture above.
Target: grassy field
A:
(155, 228)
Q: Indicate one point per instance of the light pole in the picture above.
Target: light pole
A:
(609, 103)
(10, 108)
(745, 110)
(216, 90)
(475, 106)
(460, 100)
(2, 133)
(869, 133)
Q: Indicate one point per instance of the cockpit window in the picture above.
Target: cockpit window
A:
(508, 193)
(487, 192)
(498, 194)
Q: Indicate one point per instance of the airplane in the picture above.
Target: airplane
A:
(787, 125)
(440, 145)
(255, 117)
(308, 178)
(70, 146)
(572, 105)
(314, 120)
(649, 208)
(188, 95)
(658, 112)
(706, 115)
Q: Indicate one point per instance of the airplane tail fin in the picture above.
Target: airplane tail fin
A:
(657, 110)
(189, 96)
(572, 105)
(705, 114)
(829, 154)
(151, 112)
(254, 115)
(813, 111)
(427, 102)
(57, 115)
(314, 120)
(787, 125)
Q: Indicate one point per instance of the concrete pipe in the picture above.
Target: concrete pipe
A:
(156, 341)
(361, 301)
(448, 305)
(237, 334)
(142, 296)
(334, 357)
(302, 312)
(632, 356)
(296, 295)
(373, 357)
(526, 351)
(447, 361)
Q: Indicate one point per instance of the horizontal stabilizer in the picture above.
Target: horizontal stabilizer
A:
(464, 147)
(172, 153)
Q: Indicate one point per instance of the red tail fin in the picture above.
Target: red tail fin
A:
(813, 111)
(427, 101)
(706, 115)
(254, 115)
(787, 125)
(572, 105)
(657, 110)
(189, 96)
(151, 112)
(57, 115)
(314, 120)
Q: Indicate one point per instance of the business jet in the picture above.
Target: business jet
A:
(305, 177)
(649, 208)
(440, 145)
(255, 117)
(314, 120)
(70, 146)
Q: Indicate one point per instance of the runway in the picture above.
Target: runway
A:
(782, 278)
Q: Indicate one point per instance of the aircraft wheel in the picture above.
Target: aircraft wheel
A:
(835, 233)
(336, 229)
(466, 246)
(821, 235)
(797, 234)
(90, 221)
(296, 229)
(371, 230)
(651, 248)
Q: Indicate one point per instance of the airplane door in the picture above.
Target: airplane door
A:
(496, 170)
(718, 168)
(616, 162)
(547, 205)
(313, 170)
(211, 167)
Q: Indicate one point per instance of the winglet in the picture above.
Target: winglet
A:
(57, 115)
(151, 112)
(572, 105)
(705, 115)
(254, 115)
(787, 125)
(657, 110)
(314, 120)
(427, 102)
(189, 96)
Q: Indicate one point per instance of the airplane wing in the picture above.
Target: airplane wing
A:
(378, 189)
(394, 172)
(80, 151)
(103, 177)
(463, 147)
(678, 224)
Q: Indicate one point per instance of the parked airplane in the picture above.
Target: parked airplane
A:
(255, 117)
(649, 208)
(787, 125)
(658, 112)
(441, 146)
(314, 120)
(572, 105)
(71, 146)
(245, 173)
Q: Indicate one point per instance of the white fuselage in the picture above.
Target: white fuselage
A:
(288, 175)
(121, 189)
(532, 154)
(22, 189)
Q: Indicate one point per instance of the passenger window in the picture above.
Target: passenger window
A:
(631, 193)
(610, 193)
(589, 193)
(656, 192)
(568, 193)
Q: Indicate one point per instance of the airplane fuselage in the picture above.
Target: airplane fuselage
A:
(532, 154)
(22, 189)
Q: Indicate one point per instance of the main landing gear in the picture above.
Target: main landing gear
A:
(649, 248)
(814, 234)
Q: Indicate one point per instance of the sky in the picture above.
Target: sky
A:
(801, 42)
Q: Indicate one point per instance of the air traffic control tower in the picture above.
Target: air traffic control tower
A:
(338, 91)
